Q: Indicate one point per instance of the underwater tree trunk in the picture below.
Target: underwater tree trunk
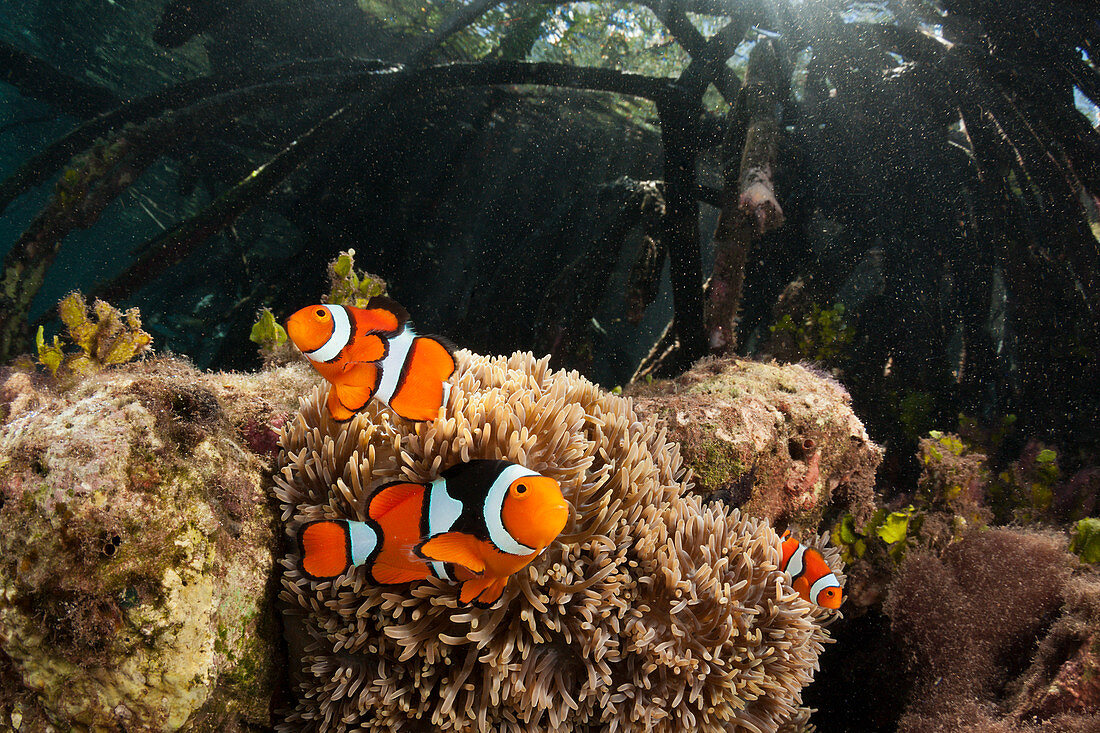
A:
(575, 295)
(679, 135)
(684, 339)
(644, 280)
(749, 206)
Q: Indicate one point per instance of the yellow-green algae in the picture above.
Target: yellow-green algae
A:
(349, 286)
(104, 337)
(1086, 540)
(136, 546)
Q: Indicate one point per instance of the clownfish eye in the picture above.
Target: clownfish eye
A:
(521, 488)
(320, 312)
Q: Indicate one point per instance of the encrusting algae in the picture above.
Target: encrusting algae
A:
(653, 610)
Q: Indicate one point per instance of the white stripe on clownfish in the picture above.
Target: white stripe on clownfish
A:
(341, 334)
(443, 511)
(494, 505)
(829, 580)
(363, 540)
(393, 364)
(795, 565)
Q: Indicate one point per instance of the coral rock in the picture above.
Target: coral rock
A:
(779, 441)
(653, 611)
(136, 549)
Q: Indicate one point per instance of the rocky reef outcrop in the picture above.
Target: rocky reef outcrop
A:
(780, 441)
(136, 548)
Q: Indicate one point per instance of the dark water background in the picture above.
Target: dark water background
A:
(935, 162)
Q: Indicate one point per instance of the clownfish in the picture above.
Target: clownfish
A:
(373, 352)
(811, 576)
(477, 523)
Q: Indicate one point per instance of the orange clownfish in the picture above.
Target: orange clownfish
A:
(477, 523)
(811, 576)
(373, 352)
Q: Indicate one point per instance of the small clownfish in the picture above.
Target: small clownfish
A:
(477, 523)
(811, 576)
(373, 352)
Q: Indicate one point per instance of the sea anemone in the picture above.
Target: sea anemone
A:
(652, 611)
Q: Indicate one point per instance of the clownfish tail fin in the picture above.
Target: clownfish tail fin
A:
(325, 548)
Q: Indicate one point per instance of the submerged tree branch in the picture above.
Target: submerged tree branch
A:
(458, 20)
(79, 199)
(37, 79)
(205, 96)
(175, 244)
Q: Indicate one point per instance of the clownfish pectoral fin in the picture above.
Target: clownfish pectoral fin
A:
(801, 586)
(492, 593)
(482, 591)
(353, 390)
(421, 392)
(336, 408)
(325, 548)
(364, 349)
(390, 496)
(453, 547)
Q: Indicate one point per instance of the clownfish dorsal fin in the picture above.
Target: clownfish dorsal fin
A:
(391, 306)
(391, 496)
(453, 547)
(378, 318)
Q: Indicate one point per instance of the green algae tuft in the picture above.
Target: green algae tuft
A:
(104, 337)
(1086, 540)
(349, 286)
